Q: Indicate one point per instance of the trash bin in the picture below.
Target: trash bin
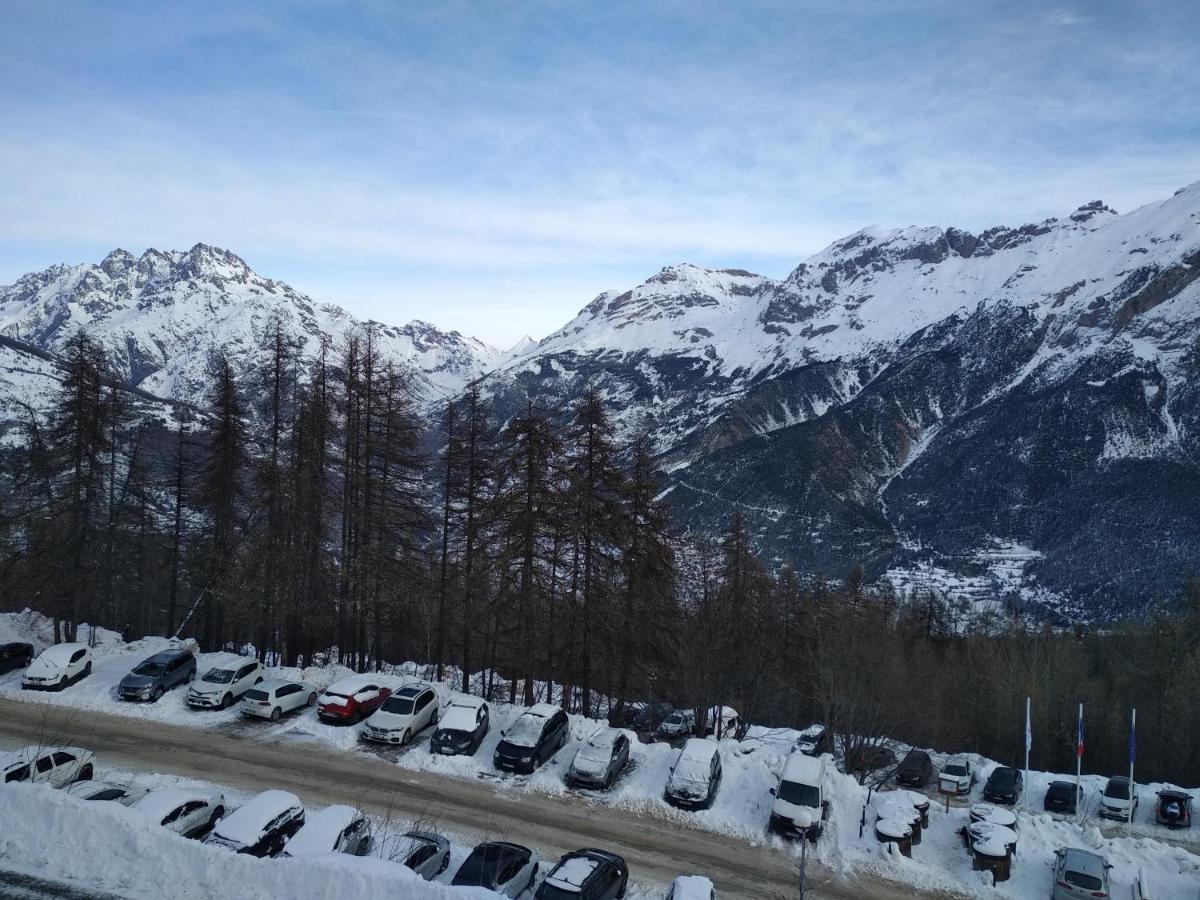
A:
(921, 804)
(895, 831)
(993, 815)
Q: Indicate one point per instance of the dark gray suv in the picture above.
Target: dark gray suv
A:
(156, 675)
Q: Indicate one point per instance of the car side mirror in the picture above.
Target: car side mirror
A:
(772, 792)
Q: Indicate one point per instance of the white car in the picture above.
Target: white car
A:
(427, 854)
(58, 666)
(57, 766)
(221, 685)
(957, 776)
(260, 827)
(271, 699)
(1120, 799)
(691, 887)
(407, 711)
(335, 829)
(191, 812)
(125, 794)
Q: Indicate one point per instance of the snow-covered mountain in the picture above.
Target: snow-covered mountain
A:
(162, 316)
(1015, 411)
(1013, 414)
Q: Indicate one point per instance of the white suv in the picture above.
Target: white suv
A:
(225, 683)
(57, 667)
(57, 766)
(410, 709)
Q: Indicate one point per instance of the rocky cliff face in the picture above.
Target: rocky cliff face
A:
(1013, 415)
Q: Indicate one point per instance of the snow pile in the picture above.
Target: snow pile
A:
(114, 849)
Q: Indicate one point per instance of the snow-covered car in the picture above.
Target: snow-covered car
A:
(916, 769)
(350, 700)
(462, 728)
(16, 655)
(276, 696)
(800, 807)
(409, 710)
(601, 758)
(223, 684)
(508, 869)
(262, 826)
(57, 667)
(191, 812)
(125, 794)
(692, 887)
(678, 724)
(1120, 799)
(695, 775)
(537, 734)
(157, 674)
(1078, 874)
(1174, 808)
(815, 740)
(722, 722)
(957, 776)
(426, 853)
(56, 766)
(335, 829)
(587, 874)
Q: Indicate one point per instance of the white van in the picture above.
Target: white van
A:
(800, 808)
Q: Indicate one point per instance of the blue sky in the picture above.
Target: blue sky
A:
(492, 167)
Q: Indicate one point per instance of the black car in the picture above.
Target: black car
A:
(1063, 797)
(1174, 809)
(15, 656)
(586, 875)
(641, 717)
(508, 869)
(1003, 786)
(916, 769)
(157, 674)
(536, 735)
(462, 728)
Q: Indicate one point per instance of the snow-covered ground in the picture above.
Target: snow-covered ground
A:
(742, 807)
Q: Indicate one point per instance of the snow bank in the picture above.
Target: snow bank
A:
(114, 849)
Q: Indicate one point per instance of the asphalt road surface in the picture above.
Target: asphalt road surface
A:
(656, 850)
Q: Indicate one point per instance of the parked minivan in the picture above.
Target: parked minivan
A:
(536, 735)
(695, 776)
(800, 807)
(157, 674)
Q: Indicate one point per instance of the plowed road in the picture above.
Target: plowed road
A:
(656, 850)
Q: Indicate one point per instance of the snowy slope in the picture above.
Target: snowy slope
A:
(162, 317)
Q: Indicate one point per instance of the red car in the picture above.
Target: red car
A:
(351, 699)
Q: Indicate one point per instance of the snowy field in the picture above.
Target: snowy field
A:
(741, 809)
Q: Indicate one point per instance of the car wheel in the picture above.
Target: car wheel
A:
(445, 864)
(405, 738)
(258, 680)
(157, 695)
(85, 774)
(216, 816)
(62, 685)
(87, 670)
(624, 887)
(355, 717)
(227, 701)
(275, 713)
(312, 699)
(191, 676)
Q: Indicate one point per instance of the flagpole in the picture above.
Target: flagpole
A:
(1028, 742)
(1132, 757)
(1079, 753)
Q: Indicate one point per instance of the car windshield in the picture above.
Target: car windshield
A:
(149, 668)
(799, 794)
(955, 769)
(482, 866)
(674, 719)
(401, 706)
(219, 676)
(1083, 880)
(1117, 789)
(526, 731)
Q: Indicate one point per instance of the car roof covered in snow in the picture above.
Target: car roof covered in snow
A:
(352, 684)
(695, 761)
(698, 749)
(320, 832)
(692, 887)
(1084, 861)
(573, 872)
(61, 653)
(545, 710)
(245, 824)
(603, 737)
(161, 801)
(803, 769)
(460, 717)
